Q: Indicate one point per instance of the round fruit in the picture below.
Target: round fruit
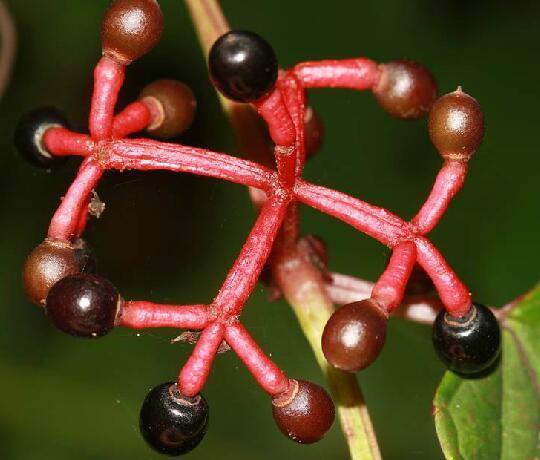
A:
(468, 345)
(83, 305)
(304, 412)
(405, 89)
(243, 66)
(171, 423)
(354, 335)
(456, 125)
(51, 261)
(175, 104)
(130, 29)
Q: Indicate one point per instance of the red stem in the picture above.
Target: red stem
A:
(449, 182)
(65, 222)
(108, 79)
(135, 117)
(454, 295)
(269, 376)
(61, 141)
(142, 314)
(359, 73)
(390, 288)
(145, 154)
(244, 274)
(371, 220)
(195, 372)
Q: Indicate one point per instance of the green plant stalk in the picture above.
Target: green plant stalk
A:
(299, 281)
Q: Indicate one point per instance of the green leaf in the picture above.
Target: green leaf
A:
(498, 416)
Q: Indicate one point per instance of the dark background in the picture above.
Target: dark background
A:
(171, 238)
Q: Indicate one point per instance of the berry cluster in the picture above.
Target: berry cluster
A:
(58, 274)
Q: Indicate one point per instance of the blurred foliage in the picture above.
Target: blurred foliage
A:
(168, 237)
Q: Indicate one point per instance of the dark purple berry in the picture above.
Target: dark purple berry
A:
(83, 305)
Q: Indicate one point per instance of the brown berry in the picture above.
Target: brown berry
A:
(304, 412)
(354, 335)
(405, 89)
(174, 107)
(130, 29)
(314, 131)
(456, 125)
(51, 261)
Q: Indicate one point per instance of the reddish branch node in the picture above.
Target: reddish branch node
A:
(244, 67)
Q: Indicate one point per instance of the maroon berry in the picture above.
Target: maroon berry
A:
(405, 89)
(304, 412)
(175, 105)
(83, 305)
(354, 335)
(456, 125)
(51, 261)
(314, 131)
(130, 29)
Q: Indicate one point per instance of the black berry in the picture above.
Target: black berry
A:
(468, 345)
(171, 423)
(243, 66)
(83, 305)
(29, 136)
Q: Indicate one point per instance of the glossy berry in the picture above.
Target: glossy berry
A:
(314, 131)
(130, 29)
(51, 261)
(243, 66)
(29, 136)
(354, 335)
(468, 345)
(405, 89)
(83, 305)
(175, 105)
(456, 125)
(304, 412)
(171, 423)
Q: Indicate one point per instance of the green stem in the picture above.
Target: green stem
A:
(299, 281)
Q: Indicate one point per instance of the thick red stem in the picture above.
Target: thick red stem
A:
(449, 182)
(269, 376)
(454, 295)
(197, 368)
(390, 288)
(108, 79)
(142, 314)
(145, 154)
(134, 118)
(359, 73)
(244, 274)
(371, 220)
(65, 222)
(61, 141)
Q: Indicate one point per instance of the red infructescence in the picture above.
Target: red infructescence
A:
(283, 110)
